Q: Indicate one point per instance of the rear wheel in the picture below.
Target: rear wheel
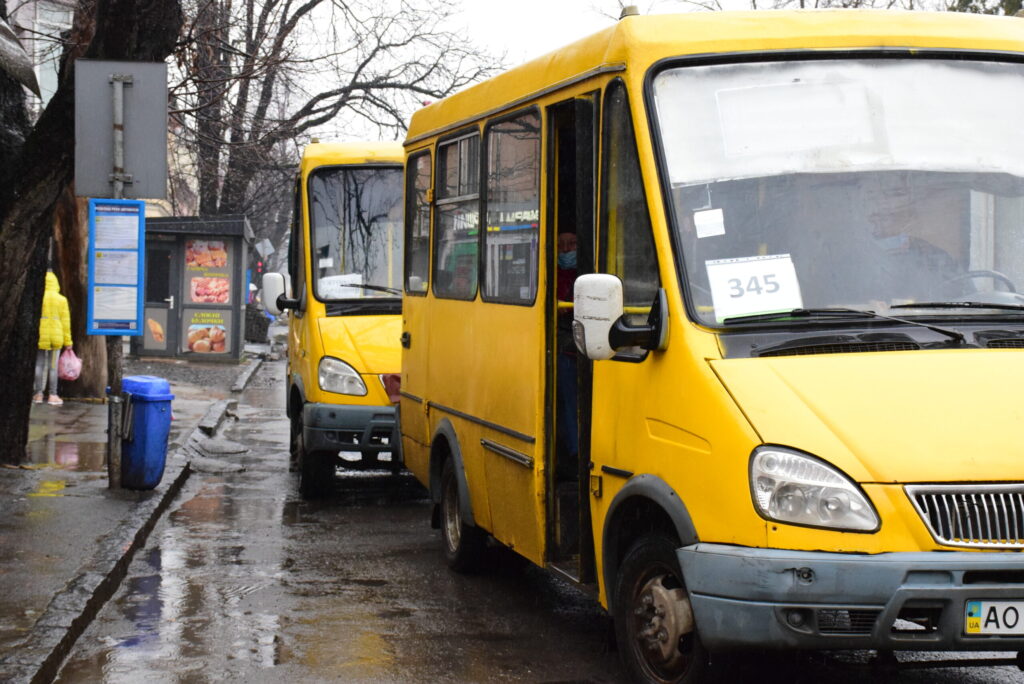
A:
(463, 544)
(654, 624)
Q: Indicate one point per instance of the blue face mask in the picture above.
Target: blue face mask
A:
(567, 259)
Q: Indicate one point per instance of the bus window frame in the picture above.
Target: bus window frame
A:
(798, 55)
(633, 354)
(482, 267)
(454, 138)
(308, 230)
(408, 218)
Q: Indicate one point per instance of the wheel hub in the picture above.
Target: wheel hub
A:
(663, 617)
(452, 522)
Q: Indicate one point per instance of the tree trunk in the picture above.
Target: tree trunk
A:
(71, 239)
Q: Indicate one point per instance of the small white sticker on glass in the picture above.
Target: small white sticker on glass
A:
(709, 222)
(326, 262)
(753, 285)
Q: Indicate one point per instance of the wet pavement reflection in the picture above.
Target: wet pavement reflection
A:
(244, 581)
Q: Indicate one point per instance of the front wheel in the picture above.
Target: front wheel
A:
(463, 544)
(654, 624)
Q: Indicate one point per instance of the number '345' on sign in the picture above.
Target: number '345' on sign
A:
(752, 285)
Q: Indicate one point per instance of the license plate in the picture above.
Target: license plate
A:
(994, 617)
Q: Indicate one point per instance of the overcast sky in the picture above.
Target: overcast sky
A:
(525, 29)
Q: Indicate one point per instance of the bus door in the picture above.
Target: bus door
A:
(571, 150)
(413, 407)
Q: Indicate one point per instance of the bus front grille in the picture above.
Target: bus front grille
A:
(976, 516)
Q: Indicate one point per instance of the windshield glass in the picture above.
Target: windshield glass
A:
(839, 183)
(356, 231)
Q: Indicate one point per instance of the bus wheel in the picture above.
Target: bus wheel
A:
(654, 625)
(316, 474)
(295, 444)
(463, 544)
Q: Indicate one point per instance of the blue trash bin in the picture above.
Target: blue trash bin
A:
(144, 448)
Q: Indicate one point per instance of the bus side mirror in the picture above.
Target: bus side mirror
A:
(599, 327)
(597, 304)
(275, 299)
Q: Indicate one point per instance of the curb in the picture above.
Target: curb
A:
(243, 378)
(40, 656)
(214, 416)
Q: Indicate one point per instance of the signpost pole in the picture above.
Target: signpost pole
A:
(115, 350)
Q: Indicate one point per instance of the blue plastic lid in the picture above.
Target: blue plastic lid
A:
(147, 387)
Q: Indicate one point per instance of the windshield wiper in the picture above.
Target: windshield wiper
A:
(377, 288)
(838, 312)
(959, 305)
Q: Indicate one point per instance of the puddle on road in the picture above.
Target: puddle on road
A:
(64, 455)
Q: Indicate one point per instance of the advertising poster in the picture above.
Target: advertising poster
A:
(208, 271)
(116, 269)
(206, 331)
(155, 333)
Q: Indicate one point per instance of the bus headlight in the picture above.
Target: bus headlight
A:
(796, 488)
(337, 376)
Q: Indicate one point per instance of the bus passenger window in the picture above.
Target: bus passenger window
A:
(513, 210)
(417, 224)
(457, 221)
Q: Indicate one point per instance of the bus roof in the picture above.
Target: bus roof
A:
(643, 40)
(332, 154)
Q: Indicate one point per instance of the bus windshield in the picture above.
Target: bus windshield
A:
(356, 231)
(864, 184)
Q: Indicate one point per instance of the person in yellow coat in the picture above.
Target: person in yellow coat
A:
(54, 335)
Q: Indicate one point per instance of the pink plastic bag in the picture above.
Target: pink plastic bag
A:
(69, 366)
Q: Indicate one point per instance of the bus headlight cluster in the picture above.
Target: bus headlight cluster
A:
(791, 487)
(337, 376)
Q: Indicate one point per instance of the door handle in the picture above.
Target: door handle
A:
(406, 339)
(170, 301)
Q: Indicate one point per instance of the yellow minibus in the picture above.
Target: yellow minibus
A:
(720, 316)
(343, 292)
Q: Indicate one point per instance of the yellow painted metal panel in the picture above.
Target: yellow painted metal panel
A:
(921, 416)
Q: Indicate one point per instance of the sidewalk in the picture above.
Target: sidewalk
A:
(66, 538)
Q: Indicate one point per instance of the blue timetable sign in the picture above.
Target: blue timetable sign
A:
(117, 262)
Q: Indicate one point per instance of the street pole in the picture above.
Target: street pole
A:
(115, 352)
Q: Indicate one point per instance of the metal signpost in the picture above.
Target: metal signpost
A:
(117, 129)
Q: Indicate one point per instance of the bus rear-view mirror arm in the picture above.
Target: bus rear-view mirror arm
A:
(276, 297)
(599, 326)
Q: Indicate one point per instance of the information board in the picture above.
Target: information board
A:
(117, 244)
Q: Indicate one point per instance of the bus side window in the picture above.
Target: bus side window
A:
(627, 244)
(417, 224)
(513, 210)
(457, 218)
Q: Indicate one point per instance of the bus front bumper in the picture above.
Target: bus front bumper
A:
(769, 598)
(369, 431)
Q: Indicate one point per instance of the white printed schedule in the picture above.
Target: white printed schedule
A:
(117, 242)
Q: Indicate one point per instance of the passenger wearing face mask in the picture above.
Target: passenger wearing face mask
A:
(568, 426)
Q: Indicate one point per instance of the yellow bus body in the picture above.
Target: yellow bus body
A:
(477, 377)
(367, 343)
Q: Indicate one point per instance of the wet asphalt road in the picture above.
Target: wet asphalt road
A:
(244, 581)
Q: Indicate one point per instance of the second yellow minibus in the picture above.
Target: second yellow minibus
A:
(719, 316)
(344, 298)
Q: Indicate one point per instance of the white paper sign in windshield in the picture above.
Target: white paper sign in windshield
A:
(753, 285)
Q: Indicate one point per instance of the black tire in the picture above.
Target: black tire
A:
(463, 544)
(654, 626)
(295, 443)
(316, 474)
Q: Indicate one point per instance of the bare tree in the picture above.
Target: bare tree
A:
(36, 167)
(261, 75)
